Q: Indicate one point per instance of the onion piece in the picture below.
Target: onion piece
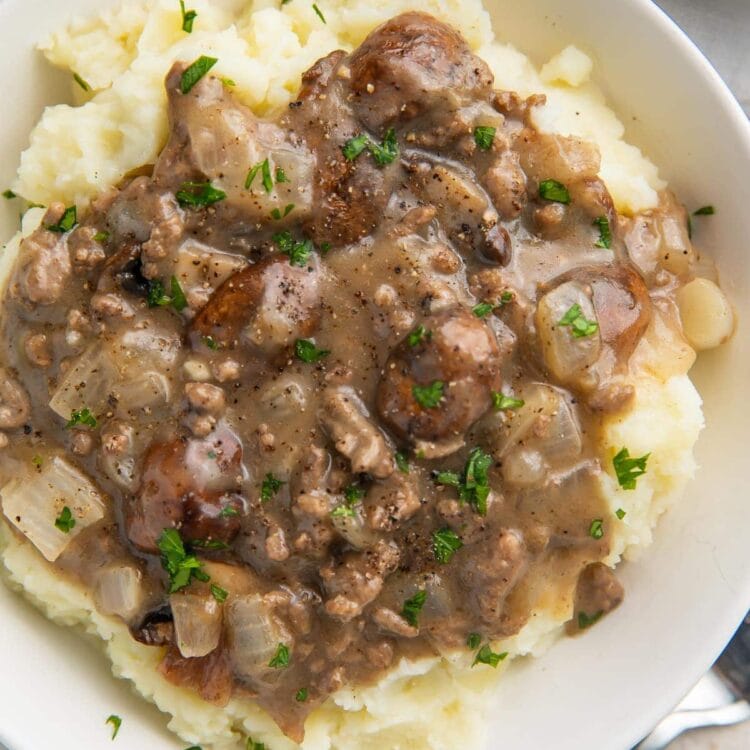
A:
(197, 623)
(148, 389)
(119, 591)
(354, 529)
(33, 502)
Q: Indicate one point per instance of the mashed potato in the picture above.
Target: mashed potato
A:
(77, 151)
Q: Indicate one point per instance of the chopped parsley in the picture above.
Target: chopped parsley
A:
(596, 530)
(195, 71)
(269, 487)
(116, 722)
(9, 195)
(705, 211)
(319, 13)
(586, 621)
(81, 417)
(211, 342)
(579, 326)
(483, 309)
(428, 396)
(229, 512)
(620, 513)
(355, 146)
(486, 655)
(473, 640)
(305, 350)
(199, 195)
(501, 402)
(179, 300)
(325, 247)
(343, 511)
(251, 175)
(484, 135)
(412, 608)
(629, 469)
(552, 190)
(473, 483)
(280, 659)
(83, 84)
(180, 566)
(188, 16)
(418, 335)
(253, 745)
(382, 154)
(219, 593)
(445, 544)
(277, 214)
(157, 297)
(37, 461)
(67, 222)
(301, 695)
(209, 544)
(228, 81)
(605, 233)
(506, 297)
(298, 252)
(65, 521)
(352, 495)
(281, 176)
(402, 462)
(265, 174)
(101, 236)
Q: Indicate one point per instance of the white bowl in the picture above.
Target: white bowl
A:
(689, 591)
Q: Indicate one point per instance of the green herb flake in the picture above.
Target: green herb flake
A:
(195, 71)
(552, 190)
(269, 487)
(251, 174)
(473, 640)
(325, 247)
(209, 544)
(576, 321)
(211, 343)
(353, 494)
(705, 211)
(265, 173)
(402, 462)
(219, 593)
(343, 511)
(116, 723)
(484, 135)
(156, 295)
(428, 396)
(387, 153)
(305, 350)
(596, 530)
(418, 335)
(9, 195)
(280, 659)
(180, 566)
(83, 84)
(412, 608)
(253, 745)
(81, 418)
(486, 655)
(506, 297)
(445, 544)
(319, 13)
(101, 236)
(689, 228)
(629, 469)
(473, 483)
(355, 146)
(605, 233)
(188, 16)
(501, 402)
(229, 512)
(301, 695)
(298, 252)
(620, 513)
(179, 300)
(281, 176)
(229, 82)
(483, 309)
(37, 461)
(67, 222)
(199, 195)
(65, 521)
(586, 621)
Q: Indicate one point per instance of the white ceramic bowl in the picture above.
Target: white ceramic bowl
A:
(689, 591)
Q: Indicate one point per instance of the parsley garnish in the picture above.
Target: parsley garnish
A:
(157, 297)
(187, 19)
(229, 512)
(552, 190)
(9, 195)
(81, 417)
(101, 236)
(179, 300)
(486, 655)
(596, 530)
(605, 233)
(278, 216)
(319, 13)
(586, 621)
(37, 461)
(579, 326)
(506, 297)
(281, 176)
(412, 608)
(265, 173)
(355, 146)
(382, 154)
(705, 211)
(228, 81)
(270, 486)
(251, 174)
(219, 593)
(83, 84)
(65, 521)
(483, 309)
(116, 722)
(199, 194)
(253, 745)
(352, 496)
(402, 462)
(445, 544)
(195, 71)
(306, 350)
(280, 658)
(301, 695)
(325, 247)
(501, 402)
(298, 252)
(473, 483)
(180, 566)
(483, 136)
(418, 335)
(210, 342)
(67, 222)
(473, 640)
(209, 544)
(620, 513)
(629, 469)
(428, 396)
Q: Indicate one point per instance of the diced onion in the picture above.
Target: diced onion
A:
(148, 389)
(524, 467)
(355, 530)
(197, 623)
(203, 268)
(119, 591)
(33, 502)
